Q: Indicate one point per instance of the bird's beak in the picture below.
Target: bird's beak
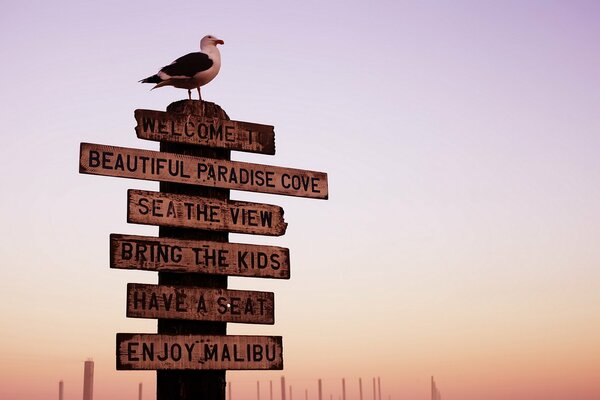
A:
(219, 41)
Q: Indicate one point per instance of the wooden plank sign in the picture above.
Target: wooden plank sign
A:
(167, 209)
(169, 167)
(204, 257)
(200, 304)
(204, 131)
(195, 352)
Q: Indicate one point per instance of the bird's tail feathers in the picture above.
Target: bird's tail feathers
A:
(151, 79)
(162, 83)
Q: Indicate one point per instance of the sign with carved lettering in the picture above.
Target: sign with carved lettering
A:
(167, 209)
(193, 299)
(205, 131)
(195, 352)
(169, 167)
(199, 304)
(206, 257)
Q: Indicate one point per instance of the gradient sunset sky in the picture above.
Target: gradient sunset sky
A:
(462, 234)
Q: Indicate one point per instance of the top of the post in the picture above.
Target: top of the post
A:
(198, 107)
(202, 123)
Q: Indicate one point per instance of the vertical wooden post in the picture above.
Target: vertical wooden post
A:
(61, 390)
(140, 391)
(257, 390)
(192, 384)
(343, 388)
(379, 387)
(88, 380)
(320, 390)
(360, 392)
(374, 390)
(283, 388)
(270, 390)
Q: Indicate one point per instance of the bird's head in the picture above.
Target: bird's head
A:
(210, 40)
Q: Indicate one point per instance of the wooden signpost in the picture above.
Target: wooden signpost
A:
(177, 210)
(199, 304)
(201, 130)
(181, 352)
(192, 255)
(151, 165)
(201, 257)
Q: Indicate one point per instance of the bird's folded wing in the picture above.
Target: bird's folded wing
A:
(188, 65)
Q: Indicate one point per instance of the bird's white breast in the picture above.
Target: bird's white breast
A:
(203, 77)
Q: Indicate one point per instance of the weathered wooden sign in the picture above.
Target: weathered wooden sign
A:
(169, 167)
(204, 131)
(193, 352)
(166, 209)
(206, 257)
(199, 304)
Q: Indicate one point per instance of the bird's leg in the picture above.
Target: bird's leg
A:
(199, 95)
(190, 93)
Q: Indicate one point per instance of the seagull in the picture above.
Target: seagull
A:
(192, 70)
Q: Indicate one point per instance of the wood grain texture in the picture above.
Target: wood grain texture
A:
(206, 131)
(200, 304)
(151, 165)
(198, 256)
(168, 209)
(192, 384)
(198, 352)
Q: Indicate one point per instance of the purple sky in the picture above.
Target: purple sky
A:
(461, 235)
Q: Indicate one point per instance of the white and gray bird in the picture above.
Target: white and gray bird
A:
(192, 70)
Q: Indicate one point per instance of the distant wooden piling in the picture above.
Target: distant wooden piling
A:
(320, 390)
(374, 390)
(360, 391)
